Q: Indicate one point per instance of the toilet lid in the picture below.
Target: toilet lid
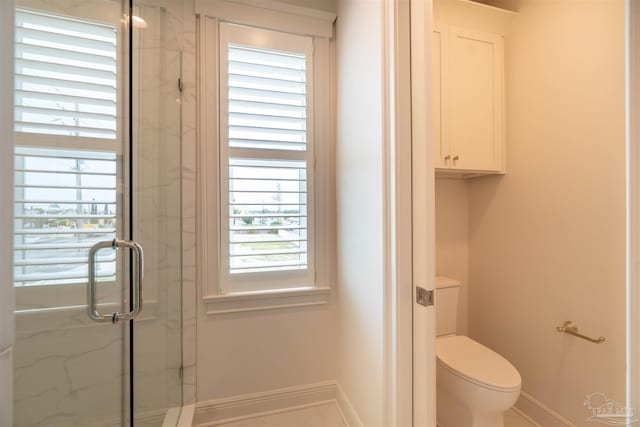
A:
(476, 363)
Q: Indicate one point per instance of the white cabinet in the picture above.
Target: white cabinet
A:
(468, 101)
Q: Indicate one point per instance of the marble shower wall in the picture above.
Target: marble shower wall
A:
(6, 148)
(157, 345)
(187, 40)
(67, 369)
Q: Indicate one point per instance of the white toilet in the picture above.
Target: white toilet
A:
(475, 385)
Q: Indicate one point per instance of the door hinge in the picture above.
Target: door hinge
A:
(180, 372)
(424, 297)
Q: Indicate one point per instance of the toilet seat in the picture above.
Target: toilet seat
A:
(473, 362)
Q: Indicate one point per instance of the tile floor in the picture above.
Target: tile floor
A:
(327, 415)
(513, 419)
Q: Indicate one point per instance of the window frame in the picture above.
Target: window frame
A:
(232, 283)
(211, 190)
(35, 297)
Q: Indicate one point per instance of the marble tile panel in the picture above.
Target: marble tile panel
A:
(6, 386)
(6, 314)
(189, 292)
(6, 172)
(69, 377)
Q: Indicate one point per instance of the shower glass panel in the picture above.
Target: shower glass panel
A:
(97, 158)
(156, 206)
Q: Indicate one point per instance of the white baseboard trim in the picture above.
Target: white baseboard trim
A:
(235, 408)
(348, 413)
(187, 415)
(539, 413)
(267, 413)
(171, 417)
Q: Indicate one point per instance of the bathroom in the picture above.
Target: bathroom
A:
(541, 244)
(535, 247)
(545, 243)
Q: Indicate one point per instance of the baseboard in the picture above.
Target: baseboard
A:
(540, 413)
(525, 416)
(218, 411)
(348, 412)
(171, 417)
(187, 414)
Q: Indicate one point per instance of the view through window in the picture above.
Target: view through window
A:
(267, 155)
(65, 186)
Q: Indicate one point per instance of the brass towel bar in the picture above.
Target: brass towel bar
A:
(569, 327)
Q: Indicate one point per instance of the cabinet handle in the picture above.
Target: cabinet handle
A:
(447, 157)
(456, 157)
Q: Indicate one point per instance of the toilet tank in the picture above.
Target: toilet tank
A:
(447, 291)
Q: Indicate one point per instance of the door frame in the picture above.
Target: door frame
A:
(424, 244)
(632, 17)
(409, 382)
(398, 376)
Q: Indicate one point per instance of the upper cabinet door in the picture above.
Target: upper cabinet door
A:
(474, 83)
(442, 157)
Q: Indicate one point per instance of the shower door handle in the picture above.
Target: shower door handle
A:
(138, 269)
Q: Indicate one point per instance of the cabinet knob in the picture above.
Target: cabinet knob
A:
(456, 157)
(447, 157)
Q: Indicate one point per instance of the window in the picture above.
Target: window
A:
(65, 76)
(65, 159)
(266, 159)
(266, 126)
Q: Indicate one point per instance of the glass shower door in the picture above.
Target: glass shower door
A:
(156, 165)
(96, 159)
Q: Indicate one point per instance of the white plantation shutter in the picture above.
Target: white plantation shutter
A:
(268, 215)
(65, 193)
(65, 203)
(65, 76)
(267, 99)
(266, 160)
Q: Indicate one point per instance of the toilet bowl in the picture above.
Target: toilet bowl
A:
(475, 385)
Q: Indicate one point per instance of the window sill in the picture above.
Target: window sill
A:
(269, 300)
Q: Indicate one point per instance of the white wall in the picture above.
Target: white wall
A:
(244, 353)
(259, 351)
(6, 195)
(452, 238)
(326, 5)
(512, 5)
(547, 240)
(250, 352)
(359, 188)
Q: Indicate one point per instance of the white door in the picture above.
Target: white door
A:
(96, 166)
